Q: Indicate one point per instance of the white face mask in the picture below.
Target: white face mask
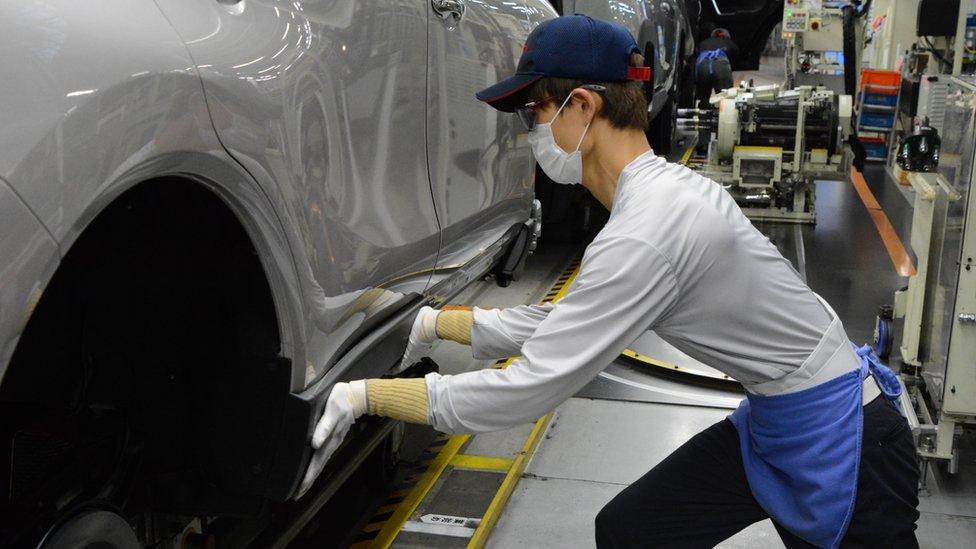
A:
(559, 165)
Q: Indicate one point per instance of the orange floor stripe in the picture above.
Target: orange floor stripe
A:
(896, 250)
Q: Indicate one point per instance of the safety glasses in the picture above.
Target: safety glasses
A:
(526, 113)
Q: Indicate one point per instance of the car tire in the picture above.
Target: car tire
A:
(661, 131)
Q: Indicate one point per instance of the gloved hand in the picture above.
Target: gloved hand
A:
(346, 403)
(423, 334)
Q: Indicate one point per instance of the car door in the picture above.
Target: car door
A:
(324, 103)
(748, 22)
(481, 167)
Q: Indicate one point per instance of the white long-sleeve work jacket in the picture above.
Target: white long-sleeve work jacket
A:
(677, 256)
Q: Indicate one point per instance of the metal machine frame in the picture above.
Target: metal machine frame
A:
(760, 175)
(952, 397)
(770, 143)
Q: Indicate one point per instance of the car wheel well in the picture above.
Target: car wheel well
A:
(158, 332)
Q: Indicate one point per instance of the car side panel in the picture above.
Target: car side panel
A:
(323, 103)
(84, 92)
(628, 13)
(663, 28)
(481, 167)
(28, 258)
(658, 26)
(95, 101)
(541, 10)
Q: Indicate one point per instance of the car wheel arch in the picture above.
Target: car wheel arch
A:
(267, 349)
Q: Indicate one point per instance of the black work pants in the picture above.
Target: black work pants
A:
(712, 76)
(699, 495)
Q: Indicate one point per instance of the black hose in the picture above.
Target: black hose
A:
(850, 79)
(850, 50)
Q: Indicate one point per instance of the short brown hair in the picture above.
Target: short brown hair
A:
(624, 103)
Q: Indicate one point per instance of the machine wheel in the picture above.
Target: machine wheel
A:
(883, 336)
(91, 526)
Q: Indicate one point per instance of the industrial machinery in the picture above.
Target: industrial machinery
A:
(768, 146)
(938, 341)
(823, 44)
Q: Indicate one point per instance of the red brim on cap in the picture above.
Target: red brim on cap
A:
(506, 95)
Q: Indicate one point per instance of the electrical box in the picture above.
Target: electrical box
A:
(937, 18)
(815, 36)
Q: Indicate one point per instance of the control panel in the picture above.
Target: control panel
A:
(814, 34)
(795, 20)
(802, 16)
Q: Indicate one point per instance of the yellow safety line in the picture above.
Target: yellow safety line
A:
(389, 532)
(491, 516)
(565, 288)
(504, 493)
(484, 463)
(449, 456)
(691, 149)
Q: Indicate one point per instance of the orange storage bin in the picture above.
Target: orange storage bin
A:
(879, 81)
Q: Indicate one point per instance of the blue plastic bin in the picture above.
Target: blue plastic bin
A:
(875, 150)
(880, 99)
(877, 119)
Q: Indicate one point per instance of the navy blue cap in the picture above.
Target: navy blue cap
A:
(572, 46)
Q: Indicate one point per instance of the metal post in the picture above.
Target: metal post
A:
(801, 120)
(960, 39)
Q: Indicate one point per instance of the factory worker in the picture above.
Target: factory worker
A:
(818, 445)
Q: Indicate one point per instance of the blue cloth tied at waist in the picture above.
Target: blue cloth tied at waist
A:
(802, 451)
(710, 56)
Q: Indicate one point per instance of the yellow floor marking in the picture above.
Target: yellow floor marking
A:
(565, 287)
(896, 250)
(691, 149)
(448, 456)
(486, 463)
(491, 516)
(392, 527)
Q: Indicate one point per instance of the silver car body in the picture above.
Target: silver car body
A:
(343, 134)
(662, 23)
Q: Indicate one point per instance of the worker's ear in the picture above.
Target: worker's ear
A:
(589, 101)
